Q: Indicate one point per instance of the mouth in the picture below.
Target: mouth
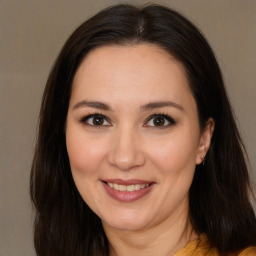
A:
(127, 191)
(129, 188)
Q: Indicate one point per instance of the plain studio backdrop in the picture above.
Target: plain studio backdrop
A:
(31, 35)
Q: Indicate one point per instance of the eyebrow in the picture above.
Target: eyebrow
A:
(161, 104)
(92, 104)
(149, 106)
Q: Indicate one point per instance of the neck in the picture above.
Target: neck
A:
(162, 239)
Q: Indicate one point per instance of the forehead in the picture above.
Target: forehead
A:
(145, 71)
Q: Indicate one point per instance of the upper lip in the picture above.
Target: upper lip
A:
(127, 182)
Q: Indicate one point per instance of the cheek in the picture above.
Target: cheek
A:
(175, 154)
(85, 155)
(174, 160)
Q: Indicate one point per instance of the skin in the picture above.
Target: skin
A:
(127, 145)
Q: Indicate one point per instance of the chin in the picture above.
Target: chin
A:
(127, 223)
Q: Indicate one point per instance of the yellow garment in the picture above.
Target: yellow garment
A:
(201, 247)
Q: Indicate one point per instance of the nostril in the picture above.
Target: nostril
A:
(125, 152)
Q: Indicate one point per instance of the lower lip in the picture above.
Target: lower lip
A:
(125, 196)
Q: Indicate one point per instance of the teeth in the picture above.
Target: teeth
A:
(129, 188)
(122, 188)
(137, 187)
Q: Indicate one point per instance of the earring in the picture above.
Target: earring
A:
(202, 158)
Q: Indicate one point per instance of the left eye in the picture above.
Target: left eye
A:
(160, 121)
(96, 120)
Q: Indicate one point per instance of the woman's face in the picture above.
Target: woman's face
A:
(133, 136)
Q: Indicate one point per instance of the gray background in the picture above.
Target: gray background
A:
(31, 35)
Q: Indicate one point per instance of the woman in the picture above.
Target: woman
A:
(138, 152)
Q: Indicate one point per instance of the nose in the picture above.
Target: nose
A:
(126, 150)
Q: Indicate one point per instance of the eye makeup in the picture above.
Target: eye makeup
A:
(95, 119)
(157, 120)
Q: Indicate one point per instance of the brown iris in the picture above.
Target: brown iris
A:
(159, 121)
(98, 121)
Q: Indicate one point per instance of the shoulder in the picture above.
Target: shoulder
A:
(202, 247)
(250, 251)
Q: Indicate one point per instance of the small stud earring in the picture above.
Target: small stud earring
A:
(202, 158)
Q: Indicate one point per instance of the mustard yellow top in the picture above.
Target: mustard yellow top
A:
(201, 247)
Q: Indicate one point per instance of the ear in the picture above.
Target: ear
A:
(205, 140)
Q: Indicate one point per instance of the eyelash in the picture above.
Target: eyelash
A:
(94, 115)
(166, 117)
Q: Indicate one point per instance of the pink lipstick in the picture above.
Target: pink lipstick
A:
(127, 190)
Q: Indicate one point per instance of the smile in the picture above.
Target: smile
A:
(129, 188)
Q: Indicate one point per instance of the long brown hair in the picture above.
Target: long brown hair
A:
(219, 200)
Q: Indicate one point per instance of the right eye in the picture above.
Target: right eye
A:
(160, 121)
(95, 120)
